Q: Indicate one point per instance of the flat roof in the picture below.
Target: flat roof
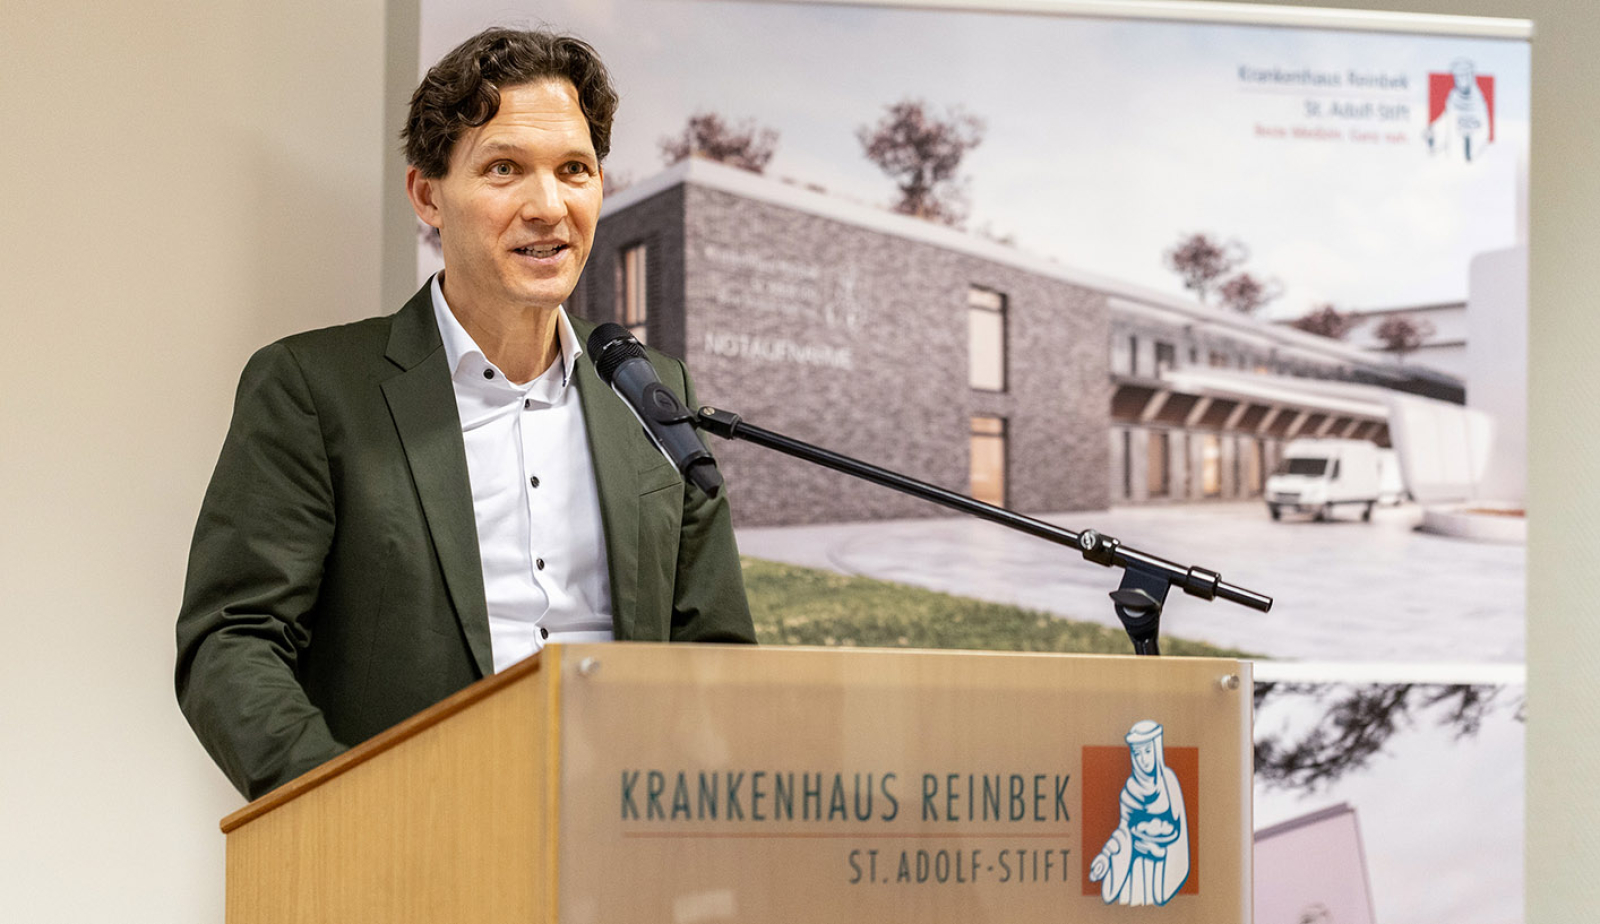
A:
(1351, 399)
(1123, 297)
(1311, 818)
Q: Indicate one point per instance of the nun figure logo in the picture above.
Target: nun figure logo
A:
(1146, 860)
(1460, 112)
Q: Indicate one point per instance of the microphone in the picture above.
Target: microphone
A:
(621, 362)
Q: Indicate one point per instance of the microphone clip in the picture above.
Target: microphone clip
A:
(663, 406)
(718, 422)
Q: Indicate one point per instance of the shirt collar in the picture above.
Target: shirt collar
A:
(459, 345)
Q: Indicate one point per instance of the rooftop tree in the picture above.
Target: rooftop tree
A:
(1247, 293)
(922, 153)
(738, 144)
(1402, 334)
(1202, 262)
(1325, 321)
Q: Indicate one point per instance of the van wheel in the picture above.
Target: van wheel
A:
(1366, 515)
(1324, 513)
(1273, 509)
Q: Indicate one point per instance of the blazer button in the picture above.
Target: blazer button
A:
(538, 563)
(543, 632)
(534, 480)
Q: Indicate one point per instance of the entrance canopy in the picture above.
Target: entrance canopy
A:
(1443, 448)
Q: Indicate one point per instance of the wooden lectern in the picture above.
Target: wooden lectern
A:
(648, 784)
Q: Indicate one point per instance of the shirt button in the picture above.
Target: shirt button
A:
(534, 481)
(543, 632)
(488, 373)
(538, 563)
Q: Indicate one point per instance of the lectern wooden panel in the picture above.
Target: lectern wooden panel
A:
(447, 817)
(648, 783)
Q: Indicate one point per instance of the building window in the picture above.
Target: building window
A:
(633, 309)
(986, 340)
(988, 442)
(1219, 360)
(1133, 355)
(1160, 471)
(1188, 466)
(1127, 463)
(1166, 357)
(1211, 466)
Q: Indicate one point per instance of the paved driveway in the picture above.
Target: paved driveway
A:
(1345, 590)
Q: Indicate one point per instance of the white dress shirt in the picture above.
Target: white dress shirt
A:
(533, 495)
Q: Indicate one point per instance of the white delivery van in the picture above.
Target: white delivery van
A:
(1316, 476)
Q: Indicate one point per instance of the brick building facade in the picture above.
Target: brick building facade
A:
(952, 358)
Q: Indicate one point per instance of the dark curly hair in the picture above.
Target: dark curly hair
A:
(462, 91)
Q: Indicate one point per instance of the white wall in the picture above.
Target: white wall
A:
(1563, 805)
(1497, 360)
(184, 180)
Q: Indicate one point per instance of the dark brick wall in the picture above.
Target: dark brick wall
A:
(658, 223)
(857, 340)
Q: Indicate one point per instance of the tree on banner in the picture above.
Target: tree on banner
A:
(708, 135)
(923, 154)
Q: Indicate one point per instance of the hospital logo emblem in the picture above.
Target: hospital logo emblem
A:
(1139, 830)
(1460, 112)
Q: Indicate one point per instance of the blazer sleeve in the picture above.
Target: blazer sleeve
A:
(255, 568)
(708, 603)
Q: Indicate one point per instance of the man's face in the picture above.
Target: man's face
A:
(516, 211)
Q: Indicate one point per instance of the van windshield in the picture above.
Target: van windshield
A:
(1314, 468)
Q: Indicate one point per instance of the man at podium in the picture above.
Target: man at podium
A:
(409, 503)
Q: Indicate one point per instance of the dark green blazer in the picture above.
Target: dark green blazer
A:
(334, 585)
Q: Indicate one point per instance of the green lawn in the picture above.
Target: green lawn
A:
(804, 606)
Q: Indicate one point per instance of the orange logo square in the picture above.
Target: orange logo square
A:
(1106, 771)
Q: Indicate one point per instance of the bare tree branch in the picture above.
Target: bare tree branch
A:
(1358, 724)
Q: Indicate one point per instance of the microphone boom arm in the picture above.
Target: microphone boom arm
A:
(1146, 578)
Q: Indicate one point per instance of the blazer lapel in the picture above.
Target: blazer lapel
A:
(423, 404)
(609, 423)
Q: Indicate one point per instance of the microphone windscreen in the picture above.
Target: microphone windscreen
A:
(610, 345)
